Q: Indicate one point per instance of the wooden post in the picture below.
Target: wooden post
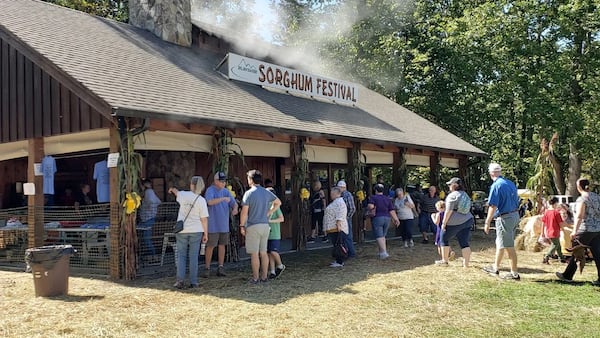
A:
(434, 170)
(115, 258)
(463, 162)
(399, 172)
(354, 174)
(299, 173)
(35, 203)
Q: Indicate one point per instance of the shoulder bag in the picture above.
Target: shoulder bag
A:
(178, 227)
(339, 249)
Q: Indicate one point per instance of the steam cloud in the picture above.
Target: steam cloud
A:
(249, 21)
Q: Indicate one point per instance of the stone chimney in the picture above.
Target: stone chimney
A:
(170, 20)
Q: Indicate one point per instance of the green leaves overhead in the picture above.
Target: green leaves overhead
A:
(500, 74)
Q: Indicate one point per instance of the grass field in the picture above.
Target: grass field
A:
(404, 296)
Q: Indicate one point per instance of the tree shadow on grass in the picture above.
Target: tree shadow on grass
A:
(558, 281)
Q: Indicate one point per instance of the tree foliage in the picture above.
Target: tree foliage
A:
(501, 74)
(112, 9)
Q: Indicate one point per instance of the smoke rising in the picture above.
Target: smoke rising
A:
(249, 21)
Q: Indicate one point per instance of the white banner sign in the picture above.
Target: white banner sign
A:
(246, 69)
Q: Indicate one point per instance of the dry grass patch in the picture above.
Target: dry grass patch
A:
(403, 296)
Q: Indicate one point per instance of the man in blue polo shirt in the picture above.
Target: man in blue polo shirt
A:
(220, 203)
(504, 205)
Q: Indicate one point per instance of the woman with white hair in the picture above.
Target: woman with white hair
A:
(404, 206)
(193, 211)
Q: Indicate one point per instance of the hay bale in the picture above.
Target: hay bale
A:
(531, 228)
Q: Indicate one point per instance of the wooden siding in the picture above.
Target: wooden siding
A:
(34, 104)
(11, 172)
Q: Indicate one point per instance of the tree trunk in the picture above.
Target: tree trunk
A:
(299, 206)
(574, 170)
(557, 174)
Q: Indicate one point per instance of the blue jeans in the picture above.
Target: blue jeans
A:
(147, 236)
(380, 226)
(426, 223)
(187, 241)
(348, 240)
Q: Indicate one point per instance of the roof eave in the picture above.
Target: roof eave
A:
(129, 112)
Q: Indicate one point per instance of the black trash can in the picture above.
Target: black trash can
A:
(50, 267)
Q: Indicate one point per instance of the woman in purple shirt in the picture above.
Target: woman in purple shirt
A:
(384, 211)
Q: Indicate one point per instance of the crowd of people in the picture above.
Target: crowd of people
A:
(446, 218)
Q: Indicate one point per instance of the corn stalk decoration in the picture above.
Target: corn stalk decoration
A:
(357, 167)
(223, 150)
(300, 194)
(540, 182)
(130, 164)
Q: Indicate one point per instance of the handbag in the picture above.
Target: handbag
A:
(340, 252)
(178, 227)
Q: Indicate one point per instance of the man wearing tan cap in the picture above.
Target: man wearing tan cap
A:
(504, 205)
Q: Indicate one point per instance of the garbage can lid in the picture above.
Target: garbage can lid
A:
(47, 253)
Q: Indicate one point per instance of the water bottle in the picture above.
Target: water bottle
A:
(202, 249)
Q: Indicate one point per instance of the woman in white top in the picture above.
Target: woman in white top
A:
(404, 206)
(194, 212)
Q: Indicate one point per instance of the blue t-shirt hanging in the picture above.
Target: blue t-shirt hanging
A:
(48, 171)
(102, 182)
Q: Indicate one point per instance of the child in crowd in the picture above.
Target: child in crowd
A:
(553, 224)
(276, 267)
(437, 218)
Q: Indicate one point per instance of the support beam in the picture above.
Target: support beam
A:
(463, 173)
(399, 172)
(115, 211)
(434, 169)
(355, 171)
(300, 217)
(35, 203)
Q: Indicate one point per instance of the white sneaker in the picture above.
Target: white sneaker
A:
(411, 244)
(336, 265)
(406, 244)
(383, 255)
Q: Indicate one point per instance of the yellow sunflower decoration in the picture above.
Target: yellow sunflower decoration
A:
(230, 188)
(132, 202)
(360, 195)
(304, 194)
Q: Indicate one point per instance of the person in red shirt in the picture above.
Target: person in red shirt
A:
(553, 223)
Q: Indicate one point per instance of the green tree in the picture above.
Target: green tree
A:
(113, 9)
(501, 74)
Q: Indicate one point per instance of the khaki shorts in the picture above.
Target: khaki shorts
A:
(217, 238)
(506, 230)
(257, 236)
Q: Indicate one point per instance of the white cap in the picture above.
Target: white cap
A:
(341, 184)
(494, 167)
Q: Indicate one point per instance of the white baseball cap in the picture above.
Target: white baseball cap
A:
(341, 184)
(494, 167)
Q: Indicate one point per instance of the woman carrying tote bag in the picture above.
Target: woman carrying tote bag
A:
(193, 211)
